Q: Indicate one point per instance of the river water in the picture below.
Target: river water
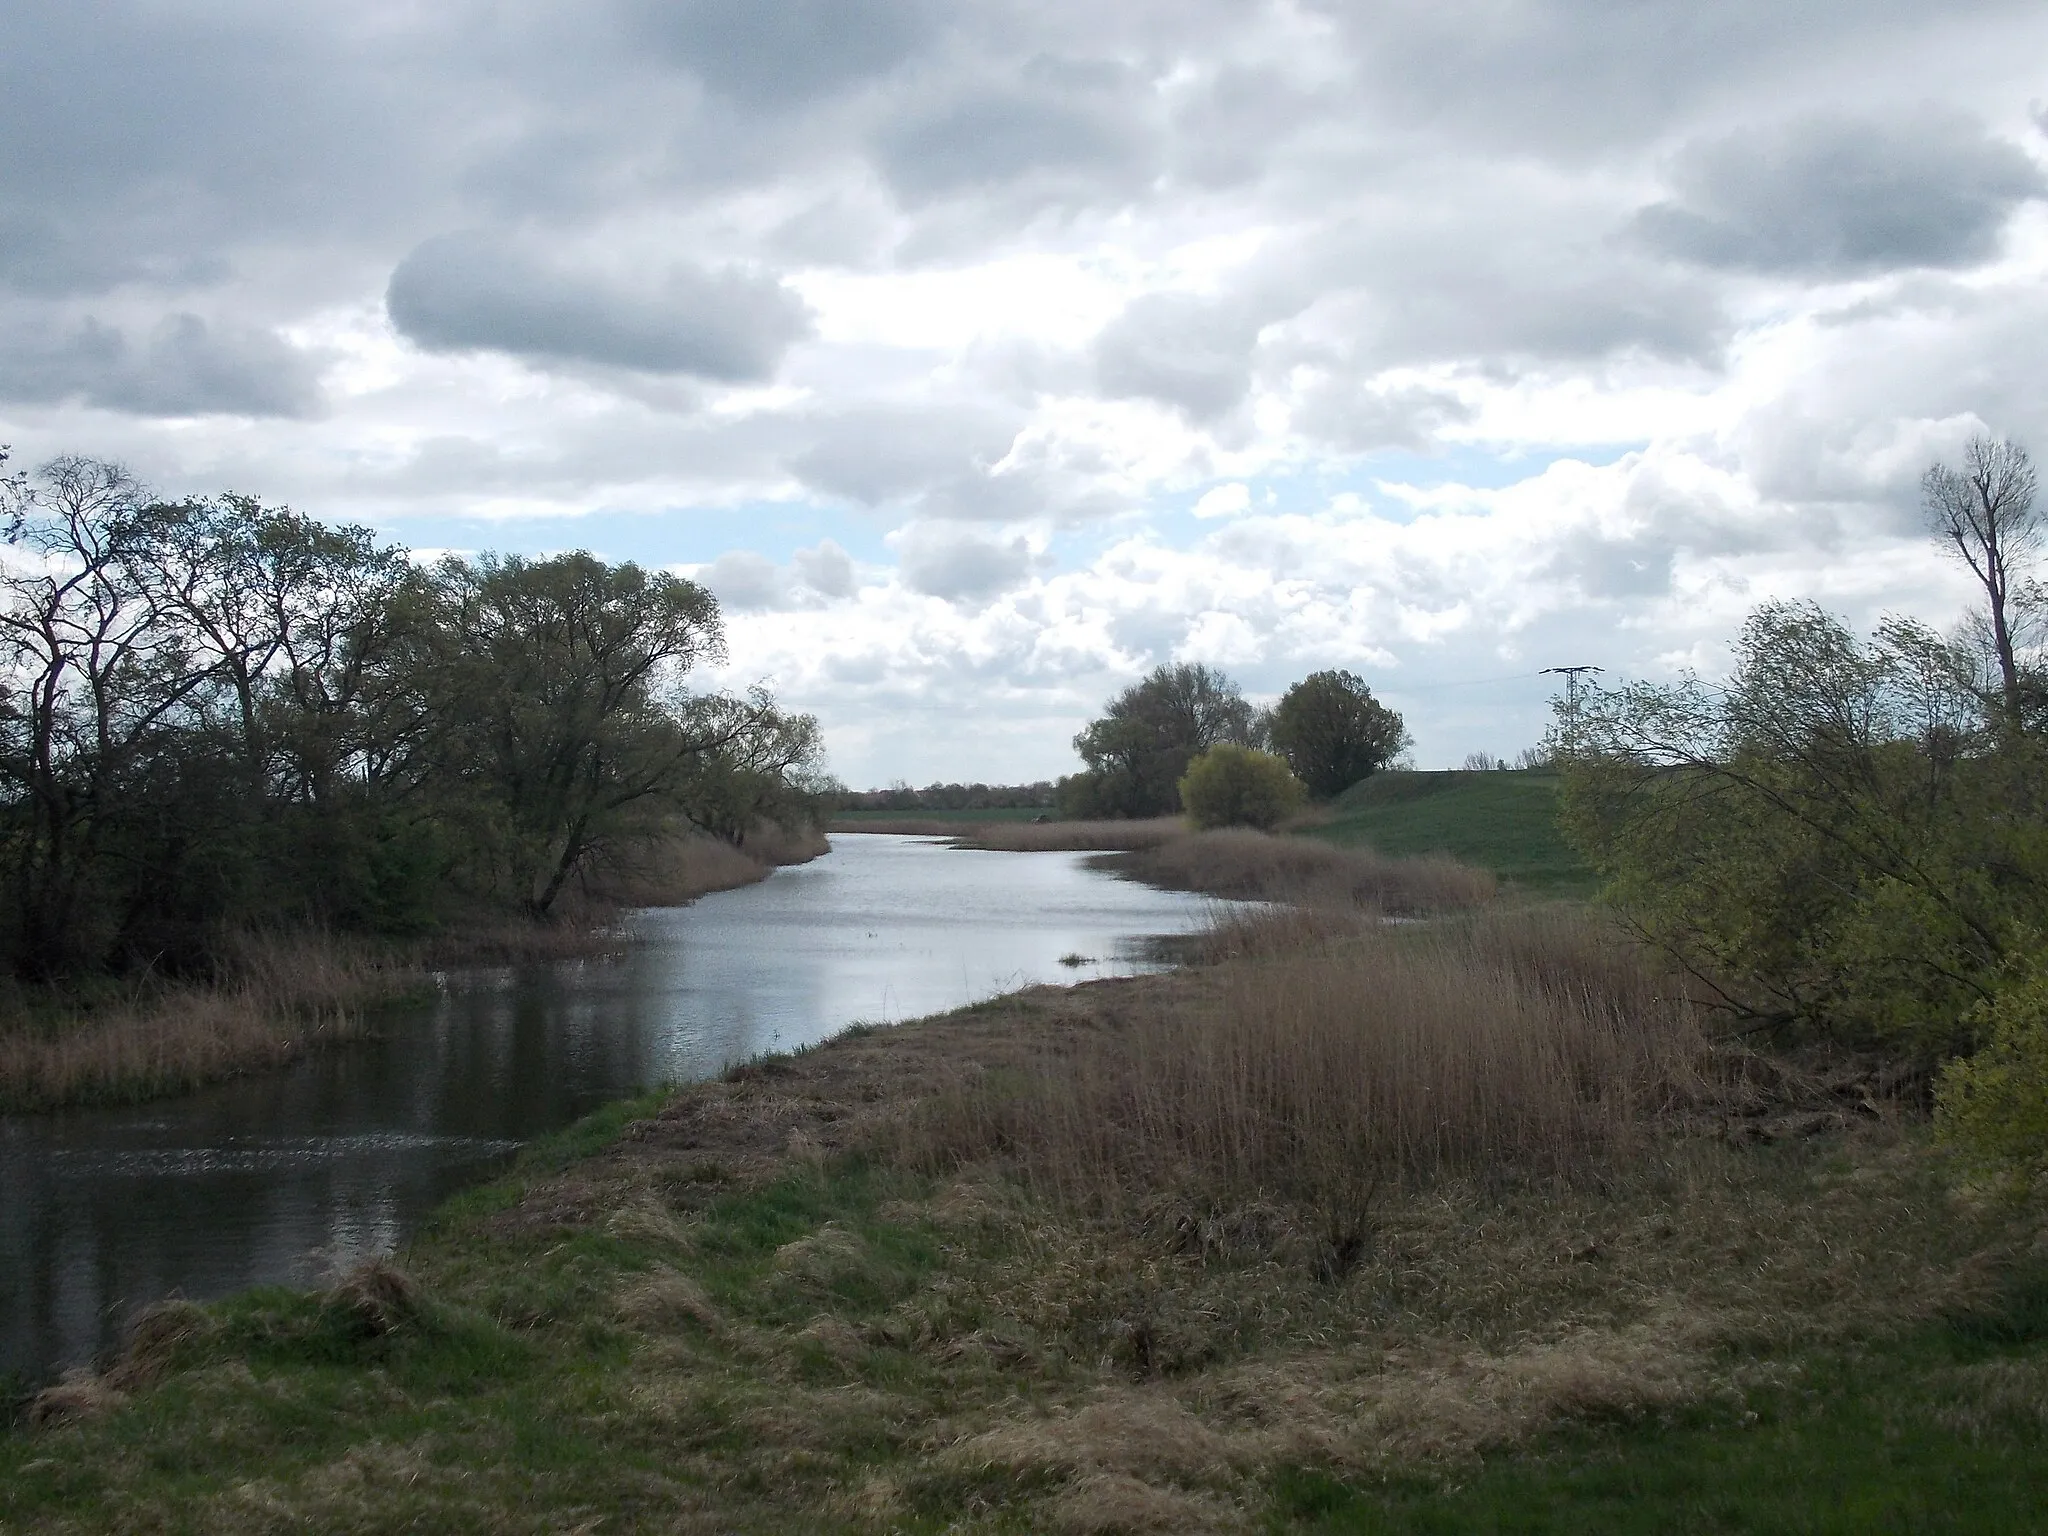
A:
(285, 1177)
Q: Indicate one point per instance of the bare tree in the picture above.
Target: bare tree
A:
(1986, 512)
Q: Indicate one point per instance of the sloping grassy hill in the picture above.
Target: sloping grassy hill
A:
(1505, 821)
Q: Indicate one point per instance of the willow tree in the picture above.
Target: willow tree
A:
(554, 678)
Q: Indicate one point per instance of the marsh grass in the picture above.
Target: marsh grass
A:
(1260, 866)
(675, 870)
(1074, 836)
(280, 995)
(1328, 1061)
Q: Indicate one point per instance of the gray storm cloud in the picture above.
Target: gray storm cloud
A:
(775, 51)
(1057, 116)
(181, 366)
(1843, 195)
(476, 292)
(958, 566)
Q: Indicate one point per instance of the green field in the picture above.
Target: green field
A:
(1505, 821)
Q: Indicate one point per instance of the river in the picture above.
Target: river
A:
(286, 1177)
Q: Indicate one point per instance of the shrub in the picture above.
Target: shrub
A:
(1992, 1108)
(1231, 786)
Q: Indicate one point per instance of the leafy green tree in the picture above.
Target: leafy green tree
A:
(1233, 786)
(216, 714)
(763, 766)
(1333, 732)
(1835, 843)
(1138, 750)
(552, 675)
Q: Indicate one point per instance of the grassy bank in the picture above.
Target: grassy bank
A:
(283, 994)
(1142, 1256)
(1503, 821)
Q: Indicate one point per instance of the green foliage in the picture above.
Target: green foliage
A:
(1137, 752)
(1837, 843)
(1333, 732)
(1992, 1107)
(221, 715)
(1233, 786)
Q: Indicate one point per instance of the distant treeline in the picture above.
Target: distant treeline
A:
(217, 716)
(951, 797)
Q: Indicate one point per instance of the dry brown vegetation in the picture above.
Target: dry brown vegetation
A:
(282, 996)
(675, 870)
(1323, 1066)
(1260, 866)
(1074, 836)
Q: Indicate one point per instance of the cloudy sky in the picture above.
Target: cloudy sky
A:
(984, 354)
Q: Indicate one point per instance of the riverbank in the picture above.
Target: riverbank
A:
(283, 994)
(1042, 1264)
(1237, 863)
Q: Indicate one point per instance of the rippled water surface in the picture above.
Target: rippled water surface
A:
(280, 1178)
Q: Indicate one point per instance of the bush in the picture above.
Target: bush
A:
(1838, 844)
(1230, 786)
(1992, 1108)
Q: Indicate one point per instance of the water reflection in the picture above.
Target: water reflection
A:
(281, 1178)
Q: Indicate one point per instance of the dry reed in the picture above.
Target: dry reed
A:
(1074, 836)
(1258, 866)
(909, 826)
(1318, 1072)
(283, 995)
(675, 870)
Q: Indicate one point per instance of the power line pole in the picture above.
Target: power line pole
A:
(1571, 677)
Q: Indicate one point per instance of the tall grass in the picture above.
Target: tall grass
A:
(1075, 836)
(279, 996)
(1326, 1066)
(675, 870)
(1259, 866)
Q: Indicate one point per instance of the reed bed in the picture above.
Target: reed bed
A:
(910, 826)
(1259, 866)
(282, 996)
(1320, 1067)
(1074, 836)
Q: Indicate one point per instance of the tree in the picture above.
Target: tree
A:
(1233, 786)
(1138, 750)
(95, 680)
(765, 766)
(1835, 843)
(1985, 514)
(1333, 732)
(552, 672)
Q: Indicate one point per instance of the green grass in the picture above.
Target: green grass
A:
(1887, 1438)
(1505, 821)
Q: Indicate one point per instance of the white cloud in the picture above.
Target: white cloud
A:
(1224, 500)
(908, 326)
